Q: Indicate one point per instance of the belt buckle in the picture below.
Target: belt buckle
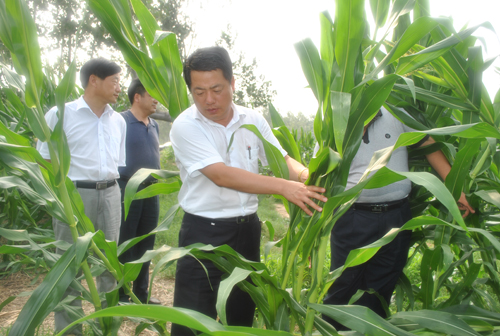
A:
(379, 208)
(101, 185)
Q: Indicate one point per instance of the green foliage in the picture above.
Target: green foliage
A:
(428, 69)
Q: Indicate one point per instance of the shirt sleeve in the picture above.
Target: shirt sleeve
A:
(192, 148)
(51, 118)
(122, 159)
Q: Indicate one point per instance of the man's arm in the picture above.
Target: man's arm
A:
(245, 181)
(439, 162)
(297, 171)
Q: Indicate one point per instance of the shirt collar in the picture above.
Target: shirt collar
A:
(238, 114)
(82, 104)
(135, 120)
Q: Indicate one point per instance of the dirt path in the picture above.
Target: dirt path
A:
(18, 283)
(282, 210)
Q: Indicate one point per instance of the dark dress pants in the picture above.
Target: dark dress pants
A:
(358, 228)
(142, 219)
(193, 290)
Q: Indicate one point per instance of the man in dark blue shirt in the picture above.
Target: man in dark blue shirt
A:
(143, 151)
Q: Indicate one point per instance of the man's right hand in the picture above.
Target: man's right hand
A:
(302, 196)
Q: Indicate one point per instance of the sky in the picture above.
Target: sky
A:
(267, 30)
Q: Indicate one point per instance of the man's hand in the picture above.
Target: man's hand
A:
(245, 181)
(464, 205)
(302, 196)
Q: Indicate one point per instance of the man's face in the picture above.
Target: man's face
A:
(213, 95)
(108, 88)
(146, 103)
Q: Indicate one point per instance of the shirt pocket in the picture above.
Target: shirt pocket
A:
(113, 146)
(253, 159)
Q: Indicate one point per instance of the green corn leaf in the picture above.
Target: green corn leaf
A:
(21, 36)
(58, 137)
(400, 8)
(327, 50)
(435, 98)
(341, 106)
(159, 189)
(463, 161)
(274, 157)
(276, 119)
(163, 226)
(469, 311)
(288, 142)
(325, 161)
(490, 196)
(225, 288)
(46, 296)
(380, 11)
(350, 29)
(7, 182)
(415, 32)
(438, 321)
(147, 71)
(171, 58)
(360, 319)
(12, 78)
(312, 67)
(186, 317)
(415, 61)
(135, 181)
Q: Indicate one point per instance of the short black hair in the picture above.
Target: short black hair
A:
(99, 67)
(135, 87)
(208, 59)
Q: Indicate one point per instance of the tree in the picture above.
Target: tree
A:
(252, 90)
(69, 27)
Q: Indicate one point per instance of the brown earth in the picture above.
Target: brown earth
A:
(282, 210)
(20, 284)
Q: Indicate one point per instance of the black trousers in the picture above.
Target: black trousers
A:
(357, 228)
(142, 219)
(193, 289)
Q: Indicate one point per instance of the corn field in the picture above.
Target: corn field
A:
(421, 65)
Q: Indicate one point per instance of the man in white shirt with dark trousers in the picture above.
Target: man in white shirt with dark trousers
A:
(96, 140)
(220, 184)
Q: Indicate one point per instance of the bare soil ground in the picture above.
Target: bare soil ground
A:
(20, 282)
(282, 210)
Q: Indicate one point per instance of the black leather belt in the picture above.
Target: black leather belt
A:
(239, 219)
(98, 185)
(379, 207)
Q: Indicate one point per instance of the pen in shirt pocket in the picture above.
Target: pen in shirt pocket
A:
(249, 152)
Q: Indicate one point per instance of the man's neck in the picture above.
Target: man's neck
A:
(140, 115)
(96, 106)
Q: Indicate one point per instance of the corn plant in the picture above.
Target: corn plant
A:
(44, 184)
(434, 73)
(427, 69)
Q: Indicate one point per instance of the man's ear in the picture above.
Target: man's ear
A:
(232, 83)
(137, 97)
(92, 80)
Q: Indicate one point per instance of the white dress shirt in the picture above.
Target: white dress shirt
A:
(97, 145)
(199, 142)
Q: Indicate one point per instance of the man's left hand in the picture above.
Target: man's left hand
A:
(464, 205)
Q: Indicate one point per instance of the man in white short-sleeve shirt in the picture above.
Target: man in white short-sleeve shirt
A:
(218, 163)
(96, 141)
